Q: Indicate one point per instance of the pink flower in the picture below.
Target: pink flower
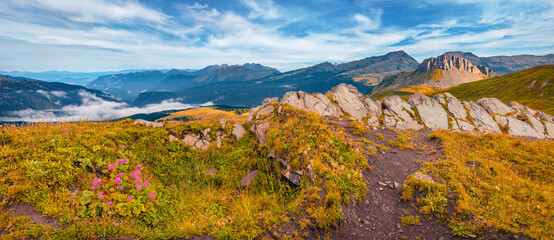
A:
(138, 180)
(120, 175)
(96, 181)
(139, 187)
(122, 160)
(93, 187)
(117, 180)
(123, 147)
(152, 195)
(101, 197)
(100, 193)
(112, 166)
(109, 203)
(120, 187)
(130, 198)
(138, 167)
(136, 174)
(146, 184)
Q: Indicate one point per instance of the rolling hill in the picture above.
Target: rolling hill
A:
(533, 87)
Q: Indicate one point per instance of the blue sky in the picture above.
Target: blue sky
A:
(101, 35)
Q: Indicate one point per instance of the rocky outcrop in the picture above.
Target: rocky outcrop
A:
(430, 111)
(199, 141)
(481, 119)
(254, 111)
(494, 106)
(398, 114)
(238, 131)
(353, 102)
(442, 111)
(450, 62)
(319, 103)
(149, 123)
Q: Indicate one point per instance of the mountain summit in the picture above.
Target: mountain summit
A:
(441, 72)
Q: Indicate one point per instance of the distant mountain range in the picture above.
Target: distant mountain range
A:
(441, 72)
(128, 86)
(317, 78)
(18, 93)
(76, 78)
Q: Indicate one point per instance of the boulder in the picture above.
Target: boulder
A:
(517, 127)
(455, 107)
(199, 141)
(481, 119)
(265, 103)
(536, 124)
(319, 103)
(248, 178)
(264, 111)
(373, 107)
(546, 117)
(149, 123)
(295, 177)
(350, 100)
(396, 114)
(238, 131)
(441, 98)
(494, 106)
(173, 138)
(219, 139)
(259, 130)
(430, 111)
(424, 177)
(464, 126)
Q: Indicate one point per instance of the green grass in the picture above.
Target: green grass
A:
(40, 163)
(513, 87)
(490, 181)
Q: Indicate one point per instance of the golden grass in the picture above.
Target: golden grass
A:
(405, 92)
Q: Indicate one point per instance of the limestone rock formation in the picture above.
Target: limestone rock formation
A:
(199, 141)
(430, 111)
(494, 106)
(481, 119)
(238, 131)
(516, 127)
(353, 102)
(253, 112)
(397, 114)
(259, 130)
(319, 103)
(148, 123)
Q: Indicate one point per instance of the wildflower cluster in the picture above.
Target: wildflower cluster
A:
(125, 191)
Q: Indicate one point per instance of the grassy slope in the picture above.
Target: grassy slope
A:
(485, 181)
(514, 87)
(404, 93)
(41, 163)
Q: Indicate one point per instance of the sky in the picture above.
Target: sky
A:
(108, 35)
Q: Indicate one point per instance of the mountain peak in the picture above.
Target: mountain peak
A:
(450, 62)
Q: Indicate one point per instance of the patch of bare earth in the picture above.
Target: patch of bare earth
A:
(17, 209)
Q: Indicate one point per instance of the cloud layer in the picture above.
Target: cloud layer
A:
(93, 35)
(92, 108)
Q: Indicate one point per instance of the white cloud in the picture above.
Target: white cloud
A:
(52, 94)
(93, 108)
(262, 8)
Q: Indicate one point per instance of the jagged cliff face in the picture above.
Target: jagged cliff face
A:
(441, 72)
(451, 62)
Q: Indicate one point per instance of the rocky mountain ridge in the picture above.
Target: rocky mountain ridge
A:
(451, 62)
(506, 64)
(442, 111)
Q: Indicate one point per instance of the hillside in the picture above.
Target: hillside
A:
(22, 93)
(363, 74)
(532, 87)
(507, 64)
(308, 167)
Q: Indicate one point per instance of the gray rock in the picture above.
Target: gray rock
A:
(319, 103)
(441, 98)
(546, 117)
(494, 106)
(536, 124)
(430, 111)
(517, 127)
(196, 141)
(219, 139)
(481, 119)
(522, 109)
(455, 107)
(211, 172)
(149, 123)
(265, 103)
(238, 131)
(173, 138)
(465, 126)
(264, 111)
(424, 177)
(350, 100)
(373, 107)
(248, 178)
(223, 122)
(373, 121)
(549, 129)
(259, 130)
(397, 116)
